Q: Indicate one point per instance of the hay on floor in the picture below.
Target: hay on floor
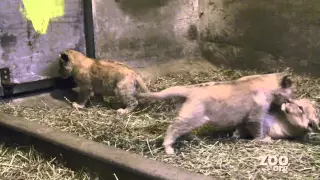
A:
(27, 164)
(142, 132)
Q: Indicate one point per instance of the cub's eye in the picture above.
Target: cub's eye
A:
(300, 108)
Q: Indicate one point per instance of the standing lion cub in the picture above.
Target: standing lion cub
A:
(227, 104)
(101, 77)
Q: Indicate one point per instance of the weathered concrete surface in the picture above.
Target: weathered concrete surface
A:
(80, 152)
(143, 32)
(54, 98)
(267, 34)
(175, 67)
(31, 56)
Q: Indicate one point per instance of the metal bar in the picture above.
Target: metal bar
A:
(30, 87)
(1, 89)
(78, 152)
(4, 79)
(89, 28)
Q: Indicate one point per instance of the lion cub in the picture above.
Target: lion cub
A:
(227, 104)
(291, 120)
(101, 77)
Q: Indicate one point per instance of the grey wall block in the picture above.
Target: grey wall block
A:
(144, 32)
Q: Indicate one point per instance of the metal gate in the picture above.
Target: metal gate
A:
(32, 33)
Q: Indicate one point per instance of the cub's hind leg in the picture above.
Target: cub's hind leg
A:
(190, 117)
(125, 91)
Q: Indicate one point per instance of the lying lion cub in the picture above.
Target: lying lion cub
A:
(226, 104)
(102, 77)
(293, 120)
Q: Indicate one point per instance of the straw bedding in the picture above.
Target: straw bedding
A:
(218, 156)
(27, 164)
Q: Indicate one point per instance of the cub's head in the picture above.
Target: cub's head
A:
(65, 64)
(69, 60)
(304, 113)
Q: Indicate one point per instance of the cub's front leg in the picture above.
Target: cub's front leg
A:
(259, 133)
(241, 132)
(256, 126)
(83, 96)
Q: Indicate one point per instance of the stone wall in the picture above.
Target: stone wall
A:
(264, 34)
(144, 32)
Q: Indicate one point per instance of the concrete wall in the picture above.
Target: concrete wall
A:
(264, 34)
(267, 34)
(143, 32)
(31, 56)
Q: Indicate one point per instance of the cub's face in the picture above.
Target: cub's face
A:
(304, 112)
(65, 65)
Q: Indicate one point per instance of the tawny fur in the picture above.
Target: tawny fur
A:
(227, 104)
(253, 82)
(270, 78)
(101, 77)
(293, 120)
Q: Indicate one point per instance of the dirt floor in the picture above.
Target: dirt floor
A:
(27, 164)
(142, 131)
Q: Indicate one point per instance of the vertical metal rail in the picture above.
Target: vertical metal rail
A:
(89, 28)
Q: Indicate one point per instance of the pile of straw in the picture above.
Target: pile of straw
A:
(218, 156)
(27, 164)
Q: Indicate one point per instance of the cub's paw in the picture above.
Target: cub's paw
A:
(169, 150)
(122, 111)
(266, 139)
(77, 106)
(235, 135)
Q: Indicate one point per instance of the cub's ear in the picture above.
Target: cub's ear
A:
(286, 82)
(285, 109)
(64, 57)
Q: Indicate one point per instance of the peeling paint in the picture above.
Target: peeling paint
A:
(29, 55)
(40, 12)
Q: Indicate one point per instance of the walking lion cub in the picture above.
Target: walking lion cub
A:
(101, 77)
(227, 104)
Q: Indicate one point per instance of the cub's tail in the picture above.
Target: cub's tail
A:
(176, 91)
